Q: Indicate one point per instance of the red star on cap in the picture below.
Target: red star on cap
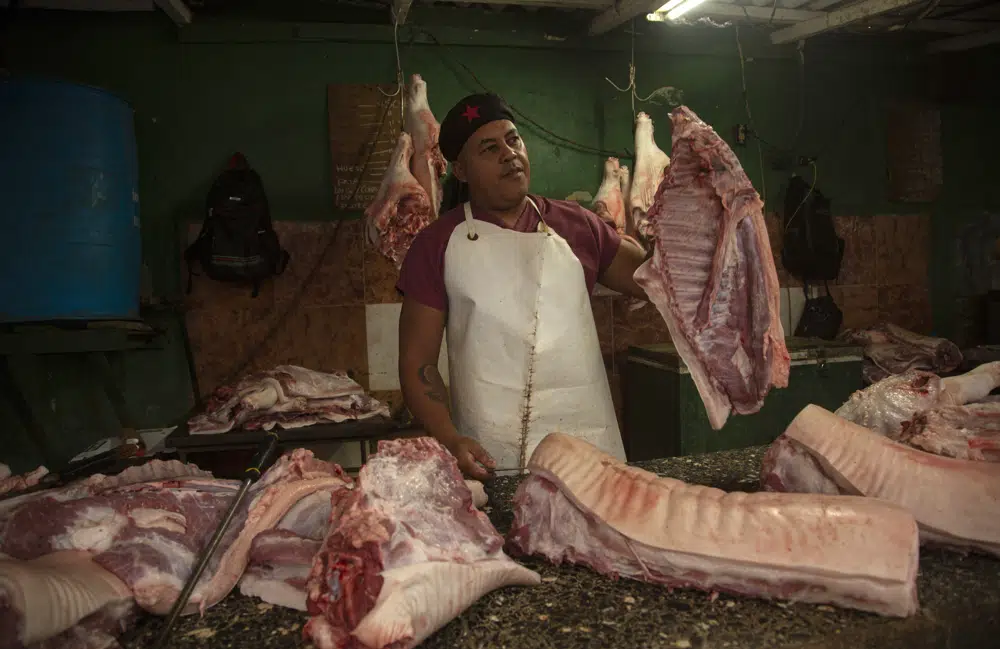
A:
(471, 113)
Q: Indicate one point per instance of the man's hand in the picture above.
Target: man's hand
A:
(470, 456)
(618, 276)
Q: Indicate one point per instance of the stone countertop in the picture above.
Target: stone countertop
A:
(576, 608)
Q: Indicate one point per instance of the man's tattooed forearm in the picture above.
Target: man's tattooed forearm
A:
(431, 379)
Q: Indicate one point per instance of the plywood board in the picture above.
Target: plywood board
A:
(364, 127)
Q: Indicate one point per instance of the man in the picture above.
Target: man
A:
(509, 276)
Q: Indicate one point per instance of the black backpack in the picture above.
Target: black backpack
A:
(237, 242)
(811, 249)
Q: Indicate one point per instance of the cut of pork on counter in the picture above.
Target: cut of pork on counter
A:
(401, 207)
(141, 535)
(956, 502)
(935, 414)
(584, 506)
(890, 349)
(428, 163)
(287, 396)
(282, 558)
(406, 552)
(969, 432)
(712, 275)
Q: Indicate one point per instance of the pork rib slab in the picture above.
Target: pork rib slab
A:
(45, 596)
(583, 505)
(712, 275)
(956, 502)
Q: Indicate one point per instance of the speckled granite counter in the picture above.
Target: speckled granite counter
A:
(577, 608)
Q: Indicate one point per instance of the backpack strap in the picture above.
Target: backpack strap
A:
(283, 259)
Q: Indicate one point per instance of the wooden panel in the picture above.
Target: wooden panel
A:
(914, 153)
(364, 126)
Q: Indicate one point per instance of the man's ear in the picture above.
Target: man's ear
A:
(458, 170)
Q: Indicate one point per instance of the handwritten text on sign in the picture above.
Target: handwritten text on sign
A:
(364, 126)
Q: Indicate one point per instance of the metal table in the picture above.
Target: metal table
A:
(366, 432)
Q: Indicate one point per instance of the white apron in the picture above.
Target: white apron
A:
(523, 355)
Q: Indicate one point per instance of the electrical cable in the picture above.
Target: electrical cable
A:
(400, 82)
(630, 88)
(746, 104)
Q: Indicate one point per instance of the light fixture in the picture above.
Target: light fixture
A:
(674, 9)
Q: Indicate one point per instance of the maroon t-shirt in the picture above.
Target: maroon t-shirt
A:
(594, 242)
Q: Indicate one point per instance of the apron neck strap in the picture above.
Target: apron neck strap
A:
(471, 222)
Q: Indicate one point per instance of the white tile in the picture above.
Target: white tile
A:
(382, 322)
(793, 300)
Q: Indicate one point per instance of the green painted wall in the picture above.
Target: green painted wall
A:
(218, 86)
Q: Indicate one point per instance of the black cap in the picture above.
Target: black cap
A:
(466, 117)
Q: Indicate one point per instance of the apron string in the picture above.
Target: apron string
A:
(470, 222)
(542, 225)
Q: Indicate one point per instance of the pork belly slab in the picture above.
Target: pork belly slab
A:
(712, 275)
(583, 506)
(956, 502)
(46, 596)
(406, 552)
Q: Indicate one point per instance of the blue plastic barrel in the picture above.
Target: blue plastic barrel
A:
(70, 246)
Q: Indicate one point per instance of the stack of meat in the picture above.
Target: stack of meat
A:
(893, 350)
(288, 396)
(76, 563)
(409, 196)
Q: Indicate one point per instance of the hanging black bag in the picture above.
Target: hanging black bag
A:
(821, 317)
(237, 242)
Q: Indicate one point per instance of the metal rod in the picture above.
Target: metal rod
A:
(252, 474)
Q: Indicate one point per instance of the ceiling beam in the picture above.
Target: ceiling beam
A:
(176, 9)
(835, 19)
(820, 5)
(940, 26)
(966, 42)
(958, 10)
(622, 12)
(724, 11)
(557, 4)
(761, 14)
(85, 5)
